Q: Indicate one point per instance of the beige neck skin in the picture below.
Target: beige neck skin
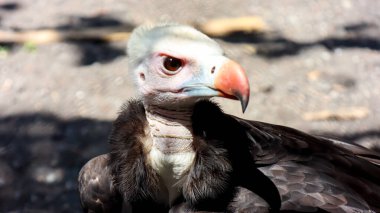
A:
(170, 129)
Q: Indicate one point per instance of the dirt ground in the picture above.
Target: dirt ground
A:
(57, 101)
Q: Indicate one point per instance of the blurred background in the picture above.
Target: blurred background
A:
(313, 65)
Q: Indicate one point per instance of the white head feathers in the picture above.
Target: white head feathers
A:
(147, 38)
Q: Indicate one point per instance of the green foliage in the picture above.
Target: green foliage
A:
(4, 51)
(29, 46)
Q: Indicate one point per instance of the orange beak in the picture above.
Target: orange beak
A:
(232, 82)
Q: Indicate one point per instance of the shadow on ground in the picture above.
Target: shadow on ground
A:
(41, 155)
(93, 50)
(274, 45)
(9, 6)
(90, 50)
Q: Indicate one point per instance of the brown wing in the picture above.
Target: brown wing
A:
(96, 188)
(246, 201)
(312, 172)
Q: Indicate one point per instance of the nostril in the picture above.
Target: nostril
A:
(213, 70)
(142, 76)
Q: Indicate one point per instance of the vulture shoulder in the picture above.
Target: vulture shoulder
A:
(311, 173)
(96, 188)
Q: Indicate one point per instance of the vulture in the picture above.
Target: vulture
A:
(173, 149)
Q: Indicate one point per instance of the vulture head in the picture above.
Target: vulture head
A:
(174, 65)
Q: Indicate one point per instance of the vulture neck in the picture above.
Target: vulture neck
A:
(171, 129)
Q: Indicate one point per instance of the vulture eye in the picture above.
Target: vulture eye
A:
(172, 65)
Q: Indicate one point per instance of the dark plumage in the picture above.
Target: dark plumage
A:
(310, 173)
(96, 187)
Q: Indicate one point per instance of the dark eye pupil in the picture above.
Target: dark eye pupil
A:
(172, 64)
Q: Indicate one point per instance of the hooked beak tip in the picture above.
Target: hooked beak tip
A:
(244, 104)
(233, 82)
(244, 100)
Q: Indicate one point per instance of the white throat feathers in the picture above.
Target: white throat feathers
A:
(172, 152)
(170, 129)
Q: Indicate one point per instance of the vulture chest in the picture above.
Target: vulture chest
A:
(171, 154)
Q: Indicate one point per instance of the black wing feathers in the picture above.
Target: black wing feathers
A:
(352, 170)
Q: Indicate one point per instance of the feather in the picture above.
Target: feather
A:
(96, 187)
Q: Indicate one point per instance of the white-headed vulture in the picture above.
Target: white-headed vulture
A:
(174, 150)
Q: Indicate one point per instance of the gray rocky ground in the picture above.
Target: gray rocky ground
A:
(57, 101)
